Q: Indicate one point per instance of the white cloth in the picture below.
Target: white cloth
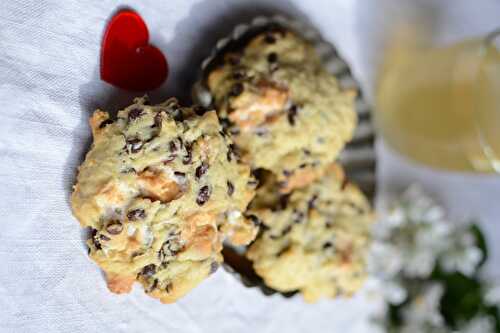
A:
(49, 84)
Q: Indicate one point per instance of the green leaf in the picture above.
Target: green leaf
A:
(394, 314)
(462, 298)
(480, 242)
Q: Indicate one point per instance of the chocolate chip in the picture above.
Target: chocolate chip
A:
(253, 183)
(287, 173)
(307, 152)
(170, 248)
(297, 216)
(230, 188)
(282, 251)
(286, 230)
(177, 114)
(158, 120)
(134, 114)
(153, 286)
(214, 266)
(180, 174)
(114, 227)
(284, 201)
(327, 245)
(136, 214)
(149, 270)
(311, 203)
(104, 238)
(264, 227)
(129, 170)
(272, 57)
(261, 131)
(199, 110)
(134, 145)
(105, 123)
(172, 146)
(95, 241)
(255, 220)
(270, 39)
(224, 122)
(169, 159)
(292, 114)
(201, 170)
(223, 134)
(234, 59)
(238, 75)
(189, 154)
(169, 287)
(232, 152)
(203, 195)
(236, 89)
(303, 165)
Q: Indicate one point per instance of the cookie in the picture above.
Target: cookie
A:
(286, 113)
(314, 239)
(161, 188)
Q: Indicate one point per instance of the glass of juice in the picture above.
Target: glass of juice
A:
(440, 106)
(488, 99)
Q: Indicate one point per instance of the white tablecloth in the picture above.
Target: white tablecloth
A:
(49, 84)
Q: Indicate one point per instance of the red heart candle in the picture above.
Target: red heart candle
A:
(128, 61)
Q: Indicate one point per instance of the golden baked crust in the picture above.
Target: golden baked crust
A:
(159, 189)
(286, 113)
(315, 239)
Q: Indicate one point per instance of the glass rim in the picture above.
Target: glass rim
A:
(492, 39)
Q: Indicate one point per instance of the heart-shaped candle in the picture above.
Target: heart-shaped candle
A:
(128, 61)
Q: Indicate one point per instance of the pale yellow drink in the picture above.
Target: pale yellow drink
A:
(440, 106)
(488, 102)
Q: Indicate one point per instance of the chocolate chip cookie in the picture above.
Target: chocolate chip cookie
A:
(160, 189)
(286, 113)
(313, 239)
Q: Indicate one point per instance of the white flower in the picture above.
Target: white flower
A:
(428, 243)
(424, 308)
(492, 295)
(408, 244)
(422, 328)
(420, 262)
(461, 254)
(396, 217)
(384, 260)
(394, 293)
(480, 324)
(420, 207)
(415, 226)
